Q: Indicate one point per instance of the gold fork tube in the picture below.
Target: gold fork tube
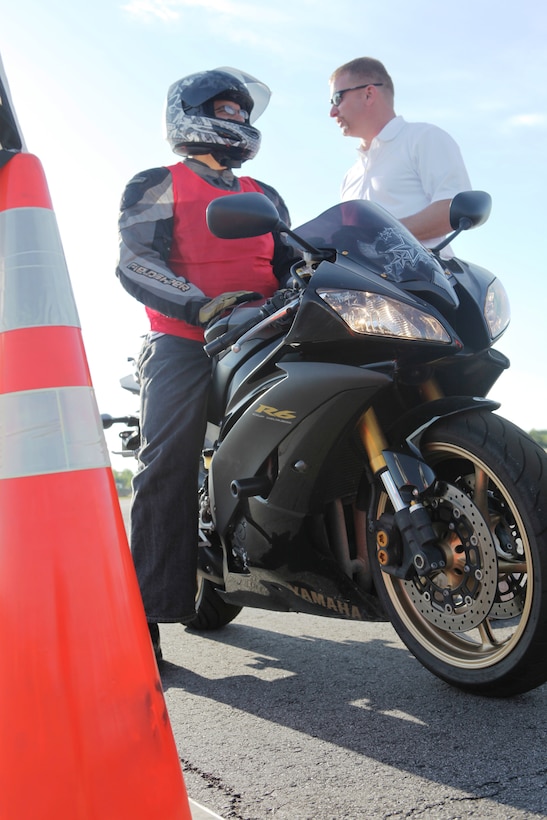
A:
(373, 440)
(371, 434)
(430, 390)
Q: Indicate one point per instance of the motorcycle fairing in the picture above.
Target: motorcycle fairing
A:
(326, 396)
(471, 283)
(365, 232)
(232, 370)
(282, 560)
(317, 323)
(329, 594)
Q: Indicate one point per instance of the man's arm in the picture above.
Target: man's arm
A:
(146, 231)
(430, 223)
(440, 167)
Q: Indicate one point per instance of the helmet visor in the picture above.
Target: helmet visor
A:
(259, 92)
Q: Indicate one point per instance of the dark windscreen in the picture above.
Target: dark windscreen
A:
(369, 234)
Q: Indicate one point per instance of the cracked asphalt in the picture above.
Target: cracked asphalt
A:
(306, 718)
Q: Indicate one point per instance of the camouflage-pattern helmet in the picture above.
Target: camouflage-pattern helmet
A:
(191, 126)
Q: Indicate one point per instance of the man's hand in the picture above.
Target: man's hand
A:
(224, 301)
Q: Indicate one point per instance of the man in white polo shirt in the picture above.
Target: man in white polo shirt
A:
(412, 169)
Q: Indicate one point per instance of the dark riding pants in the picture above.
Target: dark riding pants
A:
(175, 377)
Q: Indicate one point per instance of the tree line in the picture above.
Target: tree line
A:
(540, 436)
(122, 479)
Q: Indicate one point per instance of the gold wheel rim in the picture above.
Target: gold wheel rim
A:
(494, 639)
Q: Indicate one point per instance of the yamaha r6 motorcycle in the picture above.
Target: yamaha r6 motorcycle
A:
(354, 468)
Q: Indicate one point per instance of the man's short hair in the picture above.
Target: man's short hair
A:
(366, 68)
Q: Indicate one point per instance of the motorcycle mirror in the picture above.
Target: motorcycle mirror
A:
(472, 208)
(107, 420)
(245, 215)
(469, 209)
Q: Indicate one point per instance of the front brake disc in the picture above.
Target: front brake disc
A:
(460, 596)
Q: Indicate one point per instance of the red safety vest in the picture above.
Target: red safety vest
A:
(213, 265)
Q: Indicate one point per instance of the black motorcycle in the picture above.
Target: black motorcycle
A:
(354, 468)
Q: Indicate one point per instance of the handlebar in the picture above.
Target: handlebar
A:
(226, 339)
(270, 312)
(108, 420)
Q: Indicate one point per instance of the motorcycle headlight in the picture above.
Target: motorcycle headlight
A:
(375, 315)
(496, 309)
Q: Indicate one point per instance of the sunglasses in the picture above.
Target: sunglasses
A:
(231, 111)
(336, 98)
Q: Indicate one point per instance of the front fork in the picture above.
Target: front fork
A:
(406, 542)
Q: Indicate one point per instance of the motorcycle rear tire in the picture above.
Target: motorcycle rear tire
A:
(507, 653)
(211, 611)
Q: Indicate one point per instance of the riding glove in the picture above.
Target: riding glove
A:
(224, 301)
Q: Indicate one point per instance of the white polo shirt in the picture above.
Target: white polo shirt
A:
(408, 166)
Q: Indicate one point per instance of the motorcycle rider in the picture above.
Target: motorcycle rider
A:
(185, 277)
(412, 169)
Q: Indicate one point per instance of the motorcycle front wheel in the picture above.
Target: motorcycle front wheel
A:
(480, 624)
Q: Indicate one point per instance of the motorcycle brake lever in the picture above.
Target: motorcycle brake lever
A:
(244, 332)
(279, 315)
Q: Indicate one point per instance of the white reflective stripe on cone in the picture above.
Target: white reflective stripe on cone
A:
(50, 431)
(34, 280)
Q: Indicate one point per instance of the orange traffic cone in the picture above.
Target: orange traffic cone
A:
(84, 730)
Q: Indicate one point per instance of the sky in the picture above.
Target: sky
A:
(88, 83)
